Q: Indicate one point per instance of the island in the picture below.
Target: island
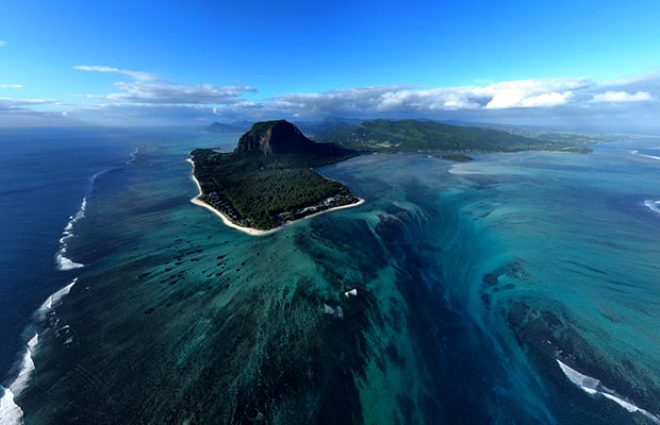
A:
(269, 179)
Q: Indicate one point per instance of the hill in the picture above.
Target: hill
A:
(282, 137)
(218, 127)
(268, 179)
(430, 136)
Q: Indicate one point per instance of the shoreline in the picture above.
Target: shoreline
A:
(250, 230)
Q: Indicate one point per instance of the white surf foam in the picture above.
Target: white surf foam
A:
(634, 152)
(133, 156)
(10, 412)
(652, 205)
(593, 386)
(353, 292)
(26, 368)
(586, 383)
(63, 262)
(92, 180)
(334, 311)
(53, 300)
(460, 171)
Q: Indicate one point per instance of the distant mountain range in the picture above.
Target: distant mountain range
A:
(393, 136)
(430, 136)
(234, 127)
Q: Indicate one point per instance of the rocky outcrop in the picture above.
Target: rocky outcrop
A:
(282, 137)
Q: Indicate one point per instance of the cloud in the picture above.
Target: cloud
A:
(25, 113)
(145, 88)
(146, 98)
(164, 93)
(3, 43)
(558, 99)
(348, 100)
(10, 86)
(409, 99)
(622, 96)
(565, 103)
(530, 93)
(7, 104)
(135, 75)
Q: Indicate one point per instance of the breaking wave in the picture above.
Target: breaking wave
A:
(594, 387)
(133, 156)
(657, 158)
(652, 205)
(10, 412)
(63, 262)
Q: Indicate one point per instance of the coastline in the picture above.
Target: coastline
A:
(250, 230)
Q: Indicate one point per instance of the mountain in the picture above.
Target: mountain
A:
(282, 137)
(430, 136)
(218, 127)
(269, 178)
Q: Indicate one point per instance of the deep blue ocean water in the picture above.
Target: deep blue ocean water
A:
(43, 177)
(517, 288)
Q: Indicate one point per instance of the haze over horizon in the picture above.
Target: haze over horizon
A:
(579, 65)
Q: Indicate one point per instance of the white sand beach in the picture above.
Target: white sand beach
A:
(249, 230)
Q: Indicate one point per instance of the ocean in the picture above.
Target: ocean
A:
(516, 288)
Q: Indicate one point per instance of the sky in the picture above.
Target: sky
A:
(562, 64)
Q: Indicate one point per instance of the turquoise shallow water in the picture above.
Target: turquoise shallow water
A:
(471, 281)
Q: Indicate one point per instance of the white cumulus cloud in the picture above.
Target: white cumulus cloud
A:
(135, 75)
(622, 96)
(530, 93)
(146, 88)
(547, 99)
(20, 103)
(10, 86)
(574, 102)
(409, 99)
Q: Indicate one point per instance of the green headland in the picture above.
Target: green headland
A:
(269, 178)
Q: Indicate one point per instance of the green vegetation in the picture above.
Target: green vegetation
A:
(430, 136)
(261, 191)
(456, 157)
(268, 179)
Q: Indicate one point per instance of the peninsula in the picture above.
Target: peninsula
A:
(268, 180)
